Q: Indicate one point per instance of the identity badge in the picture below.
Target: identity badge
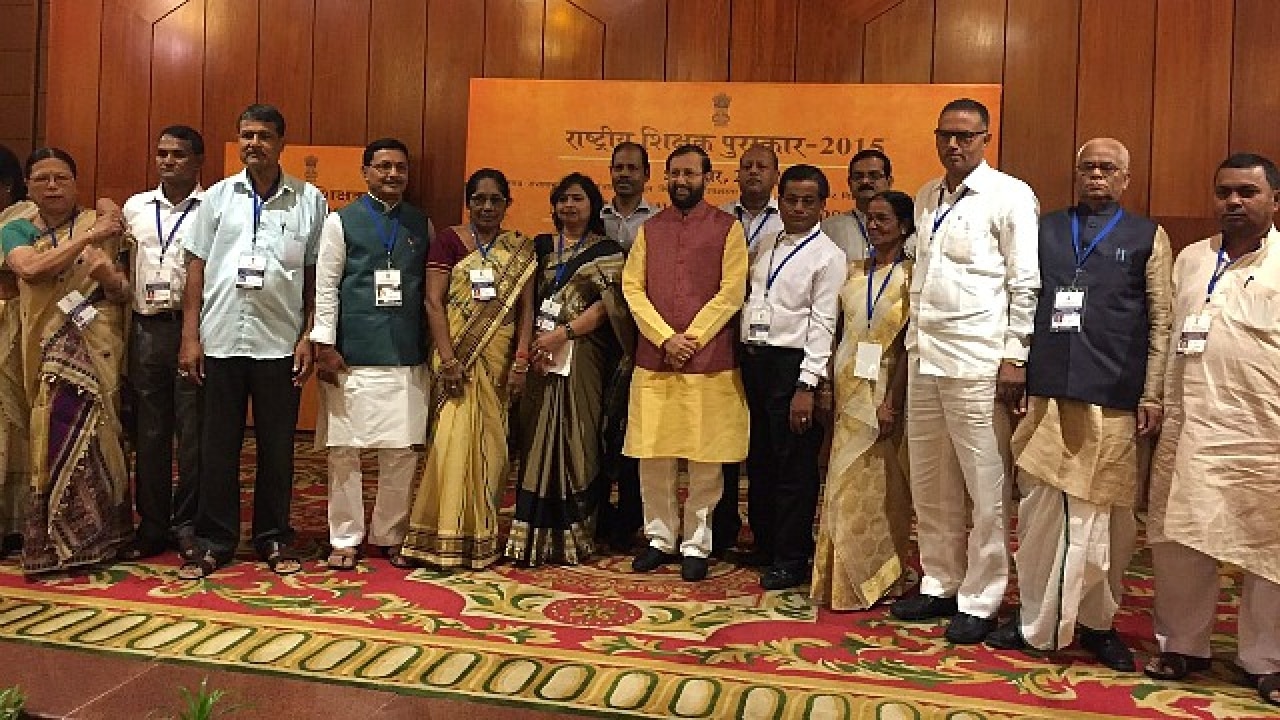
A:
(1195, 334)
(75, 307)
(386, 288)
(251, 273)
(759, 317)
(548, 315)
(482, 284)
(866, 362)
(1068, 310)
(158, 289)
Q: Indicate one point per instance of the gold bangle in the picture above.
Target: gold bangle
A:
(449, 364)
(520, 369)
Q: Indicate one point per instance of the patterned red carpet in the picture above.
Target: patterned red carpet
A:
(595, 639)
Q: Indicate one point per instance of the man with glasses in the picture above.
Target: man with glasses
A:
(371, 350)
(973, 298)
(788, 323)
(165, 404)
(246, 313)
(870, 172)
(1095, 384)
(686, 395)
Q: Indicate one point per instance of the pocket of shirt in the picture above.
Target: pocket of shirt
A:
(293, 250)
(957, 245)
(1256, 307)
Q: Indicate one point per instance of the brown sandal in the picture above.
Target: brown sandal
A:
(199, 568)
(1267, 685)
(343, 558)
(395, 558)
(1170, 665)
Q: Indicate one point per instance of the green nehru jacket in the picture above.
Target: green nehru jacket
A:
(369, 335)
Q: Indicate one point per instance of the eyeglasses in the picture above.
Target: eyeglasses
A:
(806, 201)
(1106, 168)
(482, 200)
(385, 168)
(55, 178)
(962, 137)
(872, 176)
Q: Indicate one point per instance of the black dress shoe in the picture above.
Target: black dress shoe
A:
(754, 558)
(780, 578)
(1107, 647)
(966, 629)
(923, 607)
(1007, 637)
(651, 558)
(693, 568)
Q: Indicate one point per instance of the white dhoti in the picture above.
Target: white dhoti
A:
(958, 440)
(373, 407)
(662, 517)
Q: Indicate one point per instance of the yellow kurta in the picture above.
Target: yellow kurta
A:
(1215, 479)
(700, 417)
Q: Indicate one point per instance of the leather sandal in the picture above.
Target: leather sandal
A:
(200, 567)
(1170, 665)
(1267, 685)
(395, 558)
(343, 558)
(280, 559)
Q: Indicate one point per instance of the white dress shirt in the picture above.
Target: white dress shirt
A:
(756, 227)
(621, 228)
(156, 256)
(804, 298)
(977, 276)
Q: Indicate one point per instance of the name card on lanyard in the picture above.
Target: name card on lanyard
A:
(158, 289)
(386, 283)
(760, 313)
(1068, 300)
(866, 362)
(483, 286)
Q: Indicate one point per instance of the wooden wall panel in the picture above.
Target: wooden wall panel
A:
(19, 41)
(1038, 130)
(968, 41)
(698, 39)
(72, 109)
(453, 58)
(573, 43)
(898, 45)
(177, 54)
(397, 80)
(125, 87)
(635, 37)
(1255, 89)
(1113, 98)
(1192, 110)
(231, 80)
(285, 63)
(340, 72)
(514, 29)
(762, 41)
(829, 42)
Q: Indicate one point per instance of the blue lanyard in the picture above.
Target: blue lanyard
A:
(773, 272)
(1220, 269)
(53, 231)
(763, 219)
(937, 222)
(385, 223)
(560, 264)
(484, 249)
(259, 202)
(862, 228)
(165, 243)
(873, 301)
(1075, 237)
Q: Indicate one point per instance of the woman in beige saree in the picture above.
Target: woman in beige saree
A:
(14, 408)
(71, 294)
(866, 512)
(479, 309)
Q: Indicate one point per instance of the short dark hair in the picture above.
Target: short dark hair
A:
(595, 223)
(259, 112)
(629, 145)
(691, 149)
(968, 105)
(1244, 161)
(805, 173)
(49, 153)
(186, 134)
(11, 174)
(773, 154)
(473, 182)
(904, 208)
(382, 144)
(872, 153)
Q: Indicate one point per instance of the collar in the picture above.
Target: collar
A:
(979, 180)
(197, 194)
(386, 209)
(786, 238)
(1107, 210)
(244, 184)
(738, 207)
(609, 209)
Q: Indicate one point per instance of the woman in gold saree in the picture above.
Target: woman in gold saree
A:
(14, 408)
(866, 512)
(581, 319)
(71, 294)
(479, 310)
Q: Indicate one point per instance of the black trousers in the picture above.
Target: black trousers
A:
(230, 383)
(782, 466)
(165, 406)
(726, 521)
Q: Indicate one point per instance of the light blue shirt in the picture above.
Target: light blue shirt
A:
(266, 323)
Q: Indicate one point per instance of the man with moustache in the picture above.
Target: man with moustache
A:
(870, 172)
(246, 313)
(371, 347)
(686, 396)
(973, 299)
(788, 323)
(1095, 386)
(165, 404)
(1215, 497)
(629, 171)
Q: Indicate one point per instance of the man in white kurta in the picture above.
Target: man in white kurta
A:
(371, 352)
(1215, 494)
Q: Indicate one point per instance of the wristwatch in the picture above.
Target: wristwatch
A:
(808, 387)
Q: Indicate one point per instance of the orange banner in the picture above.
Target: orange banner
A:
(538, 131)
(335, 169)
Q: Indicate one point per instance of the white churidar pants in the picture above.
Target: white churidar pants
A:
(396, 474)
(662, 522)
